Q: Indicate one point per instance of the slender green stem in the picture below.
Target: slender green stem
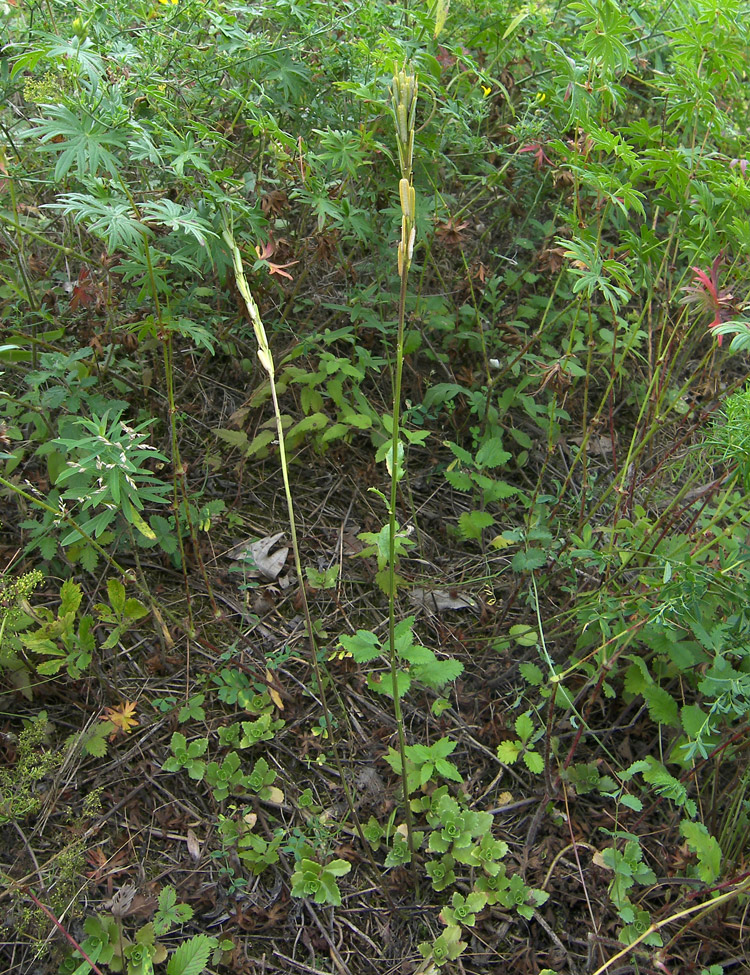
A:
(404, 106)
(266, 360)
(392, 528)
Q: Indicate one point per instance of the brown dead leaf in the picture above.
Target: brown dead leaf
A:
(439, 600)
(259, 553)
(193, 845)
(595, 445)
(121, 902)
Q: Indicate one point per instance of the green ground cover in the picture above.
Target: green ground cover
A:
(374, 474)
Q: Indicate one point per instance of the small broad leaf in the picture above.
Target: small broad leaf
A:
(706, 847)
(662, 707)
(631, 802)
(363, 646)
(533, 558)
(524, 727)
(116, 593)
(524, 636)
(448, 770)
(459, 480)
(534, 762)
(508, 751)
(491, 454)
(694, 720)
(235, 438)
(531, 673)
(339, 868)
(191, 957)
(70, 597)
(471, 524)
(383, 684)
(95, 742)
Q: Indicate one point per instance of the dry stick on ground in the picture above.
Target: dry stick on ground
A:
(337, 959)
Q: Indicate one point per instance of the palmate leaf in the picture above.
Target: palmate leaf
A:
(106, 216)
(169, 214)
(283, 71)
(72, 52)
(170, 912)
(81, 140)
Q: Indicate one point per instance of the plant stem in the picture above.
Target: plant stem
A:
(392, 528)
(266, 360)
(63, 930)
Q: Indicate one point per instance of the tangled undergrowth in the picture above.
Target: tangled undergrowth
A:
(374, 486)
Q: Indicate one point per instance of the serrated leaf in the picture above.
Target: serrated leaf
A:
(191, 957)
(533, 558)
(363, 646)
(471, 524)
(382, 684)
(438, 673)
(50, 667)
(662, 707)
(631, 802)
(260, 442)
(70, 597)
(634, 681)
(524, 727)
(167, 899)
(96, 742)
(694, 720)
(491, 454)
(442, 748)
(508, 751)
(706, 847)
(177, 742)
(534, 762)
(89, 558)
(459, 480)
(532, 674)
(459, 453)
(448, 770)
(403, 636)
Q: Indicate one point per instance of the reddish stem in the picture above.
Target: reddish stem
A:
(59, 927)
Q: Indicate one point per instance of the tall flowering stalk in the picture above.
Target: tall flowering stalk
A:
(266, 360)
(404, 108)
